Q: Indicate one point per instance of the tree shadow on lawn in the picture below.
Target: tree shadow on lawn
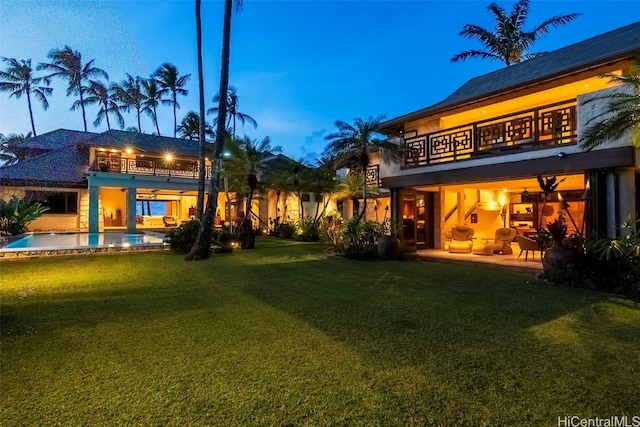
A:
(469, 328)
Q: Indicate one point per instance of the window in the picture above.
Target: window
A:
(58, 202)
(306, 197)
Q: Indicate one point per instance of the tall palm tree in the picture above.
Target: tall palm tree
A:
(247, 163)
(8, 154)
(19, 80)
(350, 188)
(172, 84)
(129, 94)
(352, 145)
(201, 127)
(509, 42)
(67, 65)
(322, 181)
(232, 111)
(152, 95)
(98, 93)
(202, 247)
(189, 128)
(621, 115)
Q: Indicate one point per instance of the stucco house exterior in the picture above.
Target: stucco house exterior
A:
(473, 159)
(119, 180)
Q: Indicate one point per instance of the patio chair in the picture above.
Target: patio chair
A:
(526, 244)
(169, 221)
(502, 242)
(461, 242)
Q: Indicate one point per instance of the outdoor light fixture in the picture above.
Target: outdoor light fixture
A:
(168, 157)
(129, 150)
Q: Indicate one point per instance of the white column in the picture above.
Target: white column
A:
(626, 195)
(131, 210)
(94, 214)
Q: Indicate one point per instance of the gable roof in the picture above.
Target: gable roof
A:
(55, 139)
(63, 167)
(608, 47)
(145, 142)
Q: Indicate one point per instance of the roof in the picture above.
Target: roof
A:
(55, 139)
(47, 168)
(614, 45)
(145, 142)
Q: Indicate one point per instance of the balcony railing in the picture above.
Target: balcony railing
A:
(372, 175)
(546, 126)
(116, 164)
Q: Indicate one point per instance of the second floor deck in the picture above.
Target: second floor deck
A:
(114, 163)
(543, 127)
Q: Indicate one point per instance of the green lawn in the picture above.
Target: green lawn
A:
(284, 335)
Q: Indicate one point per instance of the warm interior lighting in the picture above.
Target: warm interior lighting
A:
(102, 149)
(113, 150)
(168, 157)
(129, 150)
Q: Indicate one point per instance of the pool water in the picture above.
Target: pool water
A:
(83, 240)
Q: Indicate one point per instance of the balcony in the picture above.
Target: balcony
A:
(116, 164)
(543, 127)
(372, 175)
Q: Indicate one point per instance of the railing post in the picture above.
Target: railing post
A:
(536, 127)
(474, 138)
(154, 167)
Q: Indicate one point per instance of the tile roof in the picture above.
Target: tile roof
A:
(61, 167)
(613, 45)
(145, 142)
(55, 139)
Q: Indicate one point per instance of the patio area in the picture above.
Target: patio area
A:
(509, 262)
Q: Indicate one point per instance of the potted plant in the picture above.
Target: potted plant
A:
(389, 244)
(558, 259)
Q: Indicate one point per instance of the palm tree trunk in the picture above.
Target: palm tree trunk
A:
(106, 114)
(155, 119)
(202, 247)
(201, 168)
(363, 172)
(139, 125)
(33, 126)
(175, 100)
(84, 116)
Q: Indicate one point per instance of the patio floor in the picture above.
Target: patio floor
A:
(507, 261)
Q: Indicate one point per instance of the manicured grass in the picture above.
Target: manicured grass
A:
(283, 335)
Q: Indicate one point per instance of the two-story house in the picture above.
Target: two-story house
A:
(124, 180)
(473, 159)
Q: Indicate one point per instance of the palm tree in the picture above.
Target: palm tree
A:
(129, 94)
(322, 181)
(202, 247)
(172, 83)
(508, 42)
(621, 115)
(98, 93)
(350, 188)
(152, 95)
(8, 154)
(19, 80)
(201, 124)
(352, 145)
(67, 65)
(247, 163)
(232, 111)
(189, 128)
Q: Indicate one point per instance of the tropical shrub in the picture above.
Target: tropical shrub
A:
(17, 213)
(360, 237)
(285, 230)
(307, 230)
(184, 236)
(613, 264)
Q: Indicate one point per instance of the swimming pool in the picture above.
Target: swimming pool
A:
(38, 244)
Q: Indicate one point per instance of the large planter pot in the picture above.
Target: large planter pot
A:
(559, 264)
(388, 248)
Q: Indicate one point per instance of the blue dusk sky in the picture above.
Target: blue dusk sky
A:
(298, 65)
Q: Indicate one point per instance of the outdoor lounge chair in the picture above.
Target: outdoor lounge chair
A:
(502, 243)
(169, 221)
(526, 244)
(461, 242)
